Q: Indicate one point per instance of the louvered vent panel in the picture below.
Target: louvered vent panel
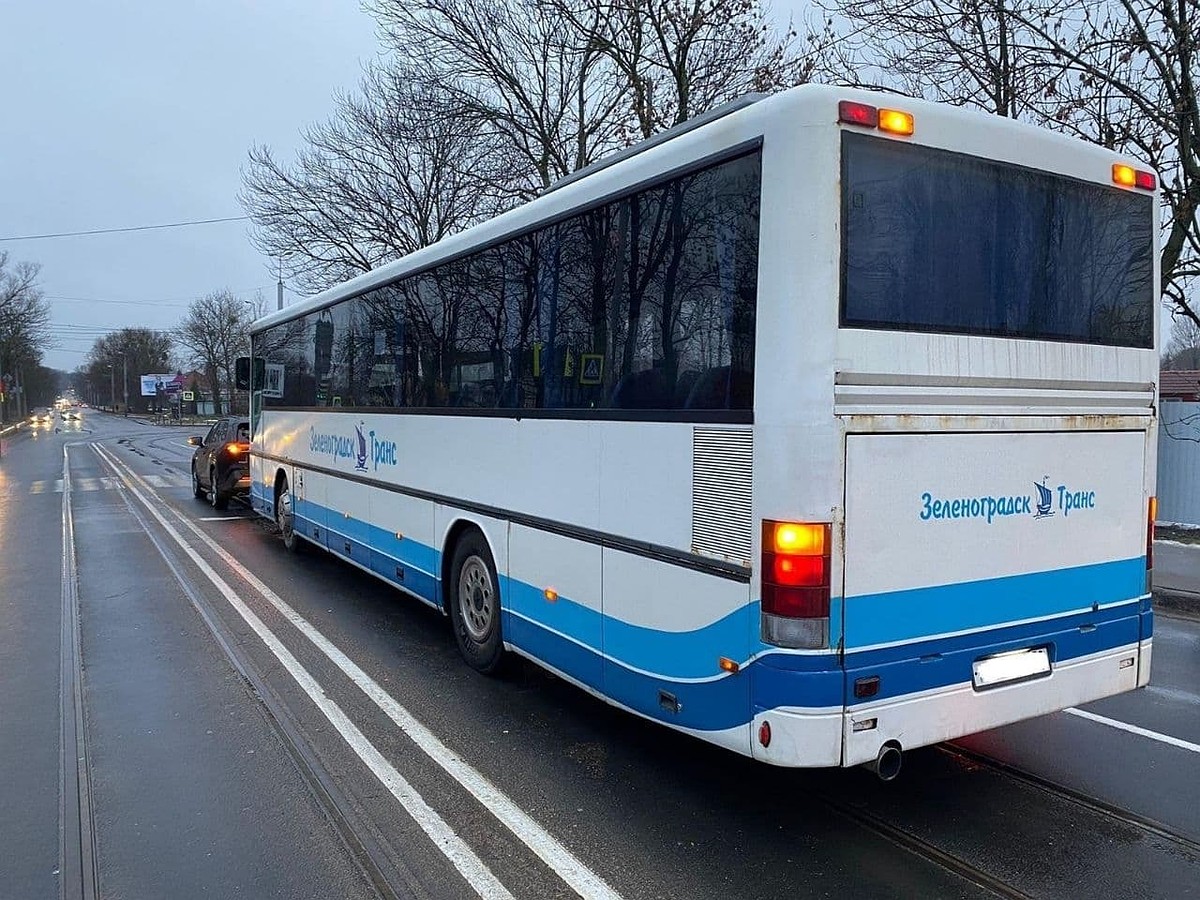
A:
(721, 477)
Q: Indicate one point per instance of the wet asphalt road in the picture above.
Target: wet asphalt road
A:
(211, 768)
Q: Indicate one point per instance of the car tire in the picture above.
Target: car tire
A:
(215, 497)
(474, 600)
(198, 490)
(286, 520)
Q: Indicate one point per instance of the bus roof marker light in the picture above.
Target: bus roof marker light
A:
(1145, 180)
(851, 112)
(894, 121)
(1124, 175)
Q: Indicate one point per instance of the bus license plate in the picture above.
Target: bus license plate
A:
(1004, 668)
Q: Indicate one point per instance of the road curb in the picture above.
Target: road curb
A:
(1177, 603)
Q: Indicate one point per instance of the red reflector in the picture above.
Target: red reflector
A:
(1145, 180)
(795, 602)
(854, 113)
(799, 571)
(764, 733)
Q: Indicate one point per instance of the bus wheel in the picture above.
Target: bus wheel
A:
(474, 596)
(285, 516)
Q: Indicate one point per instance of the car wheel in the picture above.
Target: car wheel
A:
(215, 497)
(285, 517)
(474, 595)
(198, 490)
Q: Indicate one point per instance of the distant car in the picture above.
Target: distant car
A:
(221, 465)
(41, 415)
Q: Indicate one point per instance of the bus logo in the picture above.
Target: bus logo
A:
(360, 462)
(1045, 499)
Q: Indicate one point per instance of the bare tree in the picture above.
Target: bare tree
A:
(380, 179)
(24, 317)
(516, 71)
(1183, 349)
(215, 332)
(677, 58)
(967, 52)
(117, 360)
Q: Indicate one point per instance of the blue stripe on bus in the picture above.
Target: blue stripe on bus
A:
(907, 615)
(774, 679)
(948, 661)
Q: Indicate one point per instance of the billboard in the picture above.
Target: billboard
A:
(169, 383)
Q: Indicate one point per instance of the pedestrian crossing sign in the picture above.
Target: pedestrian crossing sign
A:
(591, 368)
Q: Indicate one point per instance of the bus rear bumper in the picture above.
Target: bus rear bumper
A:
(941, 714)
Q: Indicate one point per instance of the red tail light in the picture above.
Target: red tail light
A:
(795, 575)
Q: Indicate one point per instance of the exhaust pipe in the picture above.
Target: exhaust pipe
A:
(887, 764)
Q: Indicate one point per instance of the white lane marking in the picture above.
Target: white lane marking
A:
(1134, 729)
(566, 865)
(472, 868)
(219, 518)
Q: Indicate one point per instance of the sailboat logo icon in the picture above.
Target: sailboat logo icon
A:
(1044, 499)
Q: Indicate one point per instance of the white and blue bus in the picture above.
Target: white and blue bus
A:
(821, 427)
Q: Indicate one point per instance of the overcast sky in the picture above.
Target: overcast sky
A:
(128, 113)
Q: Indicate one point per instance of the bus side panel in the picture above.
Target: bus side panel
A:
(347, 520)
(560, 628)
(666, 629)
(403, 548)
(309, 490)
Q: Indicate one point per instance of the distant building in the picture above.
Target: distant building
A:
(1182, 384)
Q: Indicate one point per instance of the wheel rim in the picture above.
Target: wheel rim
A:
(284, 515)
(212, 486)
(195, 482)
(476, 598)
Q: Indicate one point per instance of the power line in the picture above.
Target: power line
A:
(62, 234)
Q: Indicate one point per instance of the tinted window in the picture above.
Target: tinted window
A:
(646, 303)
(943, 242)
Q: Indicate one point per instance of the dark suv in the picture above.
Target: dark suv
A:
(221, 464)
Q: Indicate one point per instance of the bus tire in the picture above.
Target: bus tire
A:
(285, 516)
(474, 595)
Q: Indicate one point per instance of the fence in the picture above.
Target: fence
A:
(1179, 462)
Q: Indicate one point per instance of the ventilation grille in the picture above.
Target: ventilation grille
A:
(722, 466)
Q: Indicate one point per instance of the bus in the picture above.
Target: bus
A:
(820, 427)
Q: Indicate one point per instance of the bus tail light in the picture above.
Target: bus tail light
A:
(795, 576)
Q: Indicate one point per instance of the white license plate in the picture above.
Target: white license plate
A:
(1014, 666)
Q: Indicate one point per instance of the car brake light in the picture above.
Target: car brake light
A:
(795, 576)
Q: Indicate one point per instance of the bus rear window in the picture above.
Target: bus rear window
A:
(937, 241)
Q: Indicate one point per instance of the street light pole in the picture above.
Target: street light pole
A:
(125, 383)
(112, 386)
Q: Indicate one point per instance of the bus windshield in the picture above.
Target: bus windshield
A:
(936, 241)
